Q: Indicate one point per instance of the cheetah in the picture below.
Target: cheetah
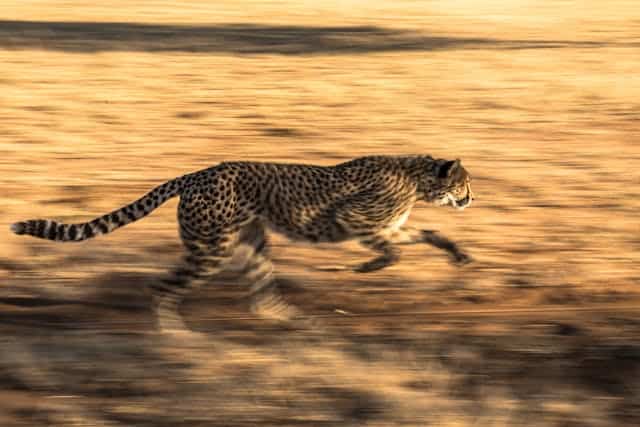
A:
(225, 210)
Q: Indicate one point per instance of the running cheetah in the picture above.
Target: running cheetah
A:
(224, 211)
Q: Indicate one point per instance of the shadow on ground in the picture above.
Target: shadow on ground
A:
(97, 360)
(91, 37)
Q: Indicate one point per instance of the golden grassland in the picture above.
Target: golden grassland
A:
(540, 100)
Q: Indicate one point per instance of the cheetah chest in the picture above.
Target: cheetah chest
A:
(399, 221)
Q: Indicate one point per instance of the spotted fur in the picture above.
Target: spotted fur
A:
(224, 211)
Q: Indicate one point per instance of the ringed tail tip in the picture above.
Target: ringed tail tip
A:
(18, 227)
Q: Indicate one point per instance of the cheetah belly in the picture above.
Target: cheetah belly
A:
(311, 226)
(399, 222)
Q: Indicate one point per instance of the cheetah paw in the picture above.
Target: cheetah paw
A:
(461, 258)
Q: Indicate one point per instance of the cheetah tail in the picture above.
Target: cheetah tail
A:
(52, 230)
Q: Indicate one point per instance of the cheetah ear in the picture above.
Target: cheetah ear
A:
(449, 168)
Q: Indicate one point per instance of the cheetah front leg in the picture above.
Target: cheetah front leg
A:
(457, 255)
(410, 235)
(387, 243)
(389, 254)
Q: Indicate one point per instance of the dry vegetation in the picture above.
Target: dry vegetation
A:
(541, 100)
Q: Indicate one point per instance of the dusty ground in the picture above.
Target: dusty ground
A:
(541, 101)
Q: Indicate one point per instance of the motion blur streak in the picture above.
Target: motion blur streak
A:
(102, 101)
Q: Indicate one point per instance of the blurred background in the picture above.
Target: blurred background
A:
(102, 101)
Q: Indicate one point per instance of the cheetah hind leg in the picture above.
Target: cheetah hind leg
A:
(265, 299)
(388, 255)
(268, 303)
(195, 268)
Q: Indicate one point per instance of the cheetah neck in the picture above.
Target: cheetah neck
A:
(417, 166)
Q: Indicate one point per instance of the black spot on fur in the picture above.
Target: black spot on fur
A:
(40, 226)
(60, 232)
(104, 229)
(72, 231)
(87, 231)
(51, 235)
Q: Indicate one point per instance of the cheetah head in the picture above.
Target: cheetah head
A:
(452, 186)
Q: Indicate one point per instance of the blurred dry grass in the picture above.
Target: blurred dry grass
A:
(541, 101)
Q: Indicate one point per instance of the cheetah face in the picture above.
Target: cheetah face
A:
(453, 186)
